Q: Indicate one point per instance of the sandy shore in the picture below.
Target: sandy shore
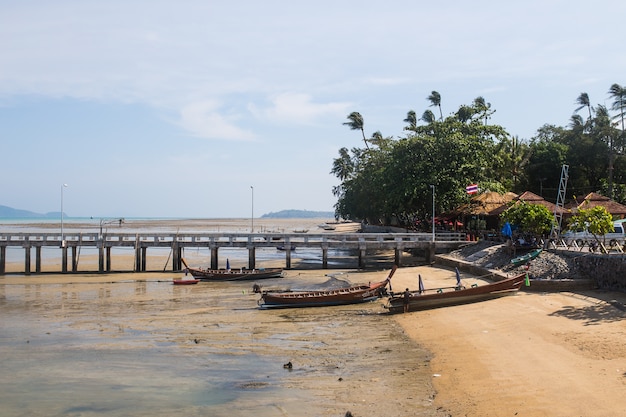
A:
(531, 354)
(525, 355)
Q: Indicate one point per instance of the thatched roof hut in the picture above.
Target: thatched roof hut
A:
(592, 200)
(530, 198)
(482, 204)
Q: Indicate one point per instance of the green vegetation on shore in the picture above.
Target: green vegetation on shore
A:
(397, 180)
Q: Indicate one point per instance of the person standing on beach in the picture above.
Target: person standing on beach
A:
(407, 296)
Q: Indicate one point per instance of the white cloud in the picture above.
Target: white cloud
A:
(297, 108)
(203, 120)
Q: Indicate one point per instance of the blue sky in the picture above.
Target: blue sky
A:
(152, 108)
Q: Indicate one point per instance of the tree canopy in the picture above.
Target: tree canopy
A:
(392, 180)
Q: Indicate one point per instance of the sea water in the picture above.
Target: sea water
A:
(150, 348)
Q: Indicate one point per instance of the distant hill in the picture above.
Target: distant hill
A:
(11, 213)
(299, 214)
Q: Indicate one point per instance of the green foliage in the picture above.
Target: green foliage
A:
(531, 218)
(596, 220)
(392, 179)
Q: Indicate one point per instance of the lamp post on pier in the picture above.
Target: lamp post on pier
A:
(433, 220)
(62, 235)
(252, 214)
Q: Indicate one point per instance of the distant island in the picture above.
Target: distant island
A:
(11, 213)
(299, 214)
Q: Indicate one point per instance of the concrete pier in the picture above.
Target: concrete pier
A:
(359, 243)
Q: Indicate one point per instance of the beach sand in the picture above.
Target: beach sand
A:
(531, 354)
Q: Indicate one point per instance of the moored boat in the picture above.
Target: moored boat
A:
(184, 281)
(521, 260)
(424, 299)
(340, 296)
(233, 274)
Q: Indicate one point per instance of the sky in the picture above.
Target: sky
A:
(210, 109)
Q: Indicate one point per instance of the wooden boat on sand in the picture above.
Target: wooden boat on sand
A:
(448, 296)
(184, 281)
(233, 274)
(521, 260)
(340, 296)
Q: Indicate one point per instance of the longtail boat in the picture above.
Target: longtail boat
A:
(340, 296)
(233, 274)
(424, 299)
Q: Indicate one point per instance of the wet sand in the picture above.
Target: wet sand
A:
(525, 355)
(134, 344)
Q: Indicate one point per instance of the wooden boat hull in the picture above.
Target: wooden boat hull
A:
(446, 297)
(233, 274)
(521, 260)
(185, 281)
(341, 296)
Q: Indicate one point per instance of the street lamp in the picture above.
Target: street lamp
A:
(433, 187)
(62, 236)
(252, 216)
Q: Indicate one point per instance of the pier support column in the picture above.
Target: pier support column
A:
(137, 259)
(27, 260)
(37, 259)
(288, 257)
(3, 259)
(251, 257)
(214, 257)
(74, 259)
(362, 253)
(430, 253)
(64, 258)
(100, 257)
(324, 257)
(107, 255)
(144, 259)
(397, 257)
(175, 256)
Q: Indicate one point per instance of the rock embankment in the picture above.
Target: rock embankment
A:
(549, 265)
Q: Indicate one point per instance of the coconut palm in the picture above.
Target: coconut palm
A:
(356, 123)
(411, 119)
(435, 101)
(428, 117)
(618, 94)
(583, 101)
(483, 107)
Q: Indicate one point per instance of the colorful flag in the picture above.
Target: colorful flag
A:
(472, 188)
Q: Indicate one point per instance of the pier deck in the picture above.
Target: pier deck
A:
(71, 243)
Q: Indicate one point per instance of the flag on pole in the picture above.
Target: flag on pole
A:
(421, 284)
(472, 188)
(458, 277)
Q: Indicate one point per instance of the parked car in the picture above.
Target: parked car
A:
(617, 237)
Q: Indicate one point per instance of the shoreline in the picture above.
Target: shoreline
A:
(530, 354)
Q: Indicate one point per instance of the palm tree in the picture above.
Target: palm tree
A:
(618, 94)
(428, 117)
(356, 123)
(583, 101)
(411, 119)
(435, 101)
(483, 108)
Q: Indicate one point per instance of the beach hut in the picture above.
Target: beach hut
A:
(480, 207)
(592, 200)
(530, 198)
